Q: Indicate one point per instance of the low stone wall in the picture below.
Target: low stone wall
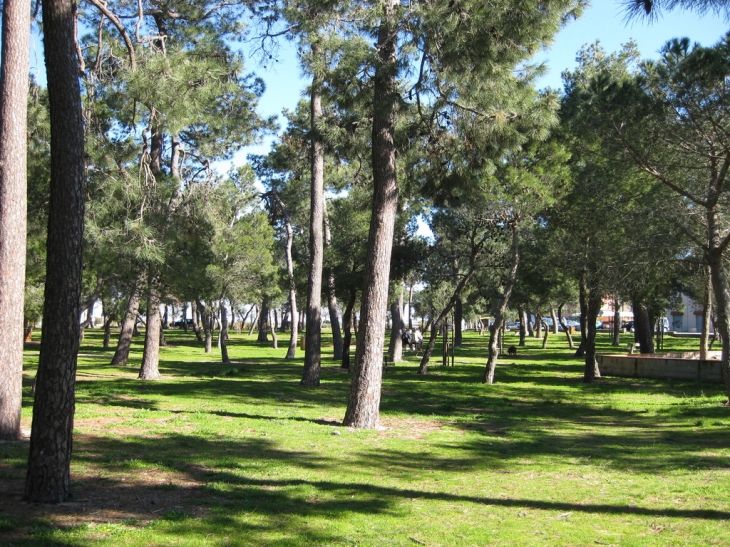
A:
(677, 366)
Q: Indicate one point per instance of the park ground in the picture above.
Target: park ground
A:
(239, 454)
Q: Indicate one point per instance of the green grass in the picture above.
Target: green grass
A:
(240, 454)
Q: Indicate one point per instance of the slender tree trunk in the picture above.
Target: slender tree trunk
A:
(194, 312)
(13, 205)
(706, 317)
(554, 317)
(566, 329)
(410, 307)
(594, 306)
(363, 407)
(337, 342)
(49, 461)
(616, 322)
(347, 327)
(523, 327)
(395, 350)
(721, 290)
(274, 339)
(207, 320)
(428, 351)
(491, 367)
(458, 317)
(108, 318)
(223, 335)
(530, 329)
(254, 321)
(151, 355)
(313, 346)
(264, 321)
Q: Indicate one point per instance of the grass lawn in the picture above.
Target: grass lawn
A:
(240, 454)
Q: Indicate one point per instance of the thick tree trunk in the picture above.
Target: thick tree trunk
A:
(13, 204)
(48, 475)
(313, 346)
(491, 367)
(151, 355)
(363, 407)
(643, 330)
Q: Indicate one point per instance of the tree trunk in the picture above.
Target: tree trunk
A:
(254, 321)
(196, 324)
(722, 297)
(530, 329)
(491, 367)
(554, 317)
(363, 406)
(151, 355)
(423, 366)
(107, 330)
(13, 205)
(643, 331)
(566, 329)
(206, 315)
(313, 346)
(410, 307)
(616, 323)
(706, 318)
(347, 327)
(337, 342)
(274, 339)
(458, 316)
(166, 318)
(264, 321)
(223, 335)
(590, 303)
(48, 475)
(395, 350)
(523, 326)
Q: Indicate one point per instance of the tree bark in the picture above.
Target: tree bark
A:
(594, 306)
(347, 328)
(313, 346)
(395, 349)
(48, 475)
(706, 318)
(566, 329)
(491, 367)
(206, 315)
(274, 339)
(194, 313)
(263, 320)
(363, 407)
(337, 342)
(458, 316)
(523, 326)
(721, 290)
(13, 205)
(223, 334)
(643, 331)
(149, 370)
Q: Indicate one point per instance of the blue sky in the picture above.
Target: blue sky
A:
(605, 21)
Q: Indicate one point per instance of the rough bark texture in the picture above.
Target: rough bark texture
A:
(313, 346)
(363, 407)
(48, 475)
(722, 298)
(149, 370)
(13, 198)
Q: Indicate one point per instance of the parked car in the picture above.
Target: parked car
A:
(180, 323)
(628, 326)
